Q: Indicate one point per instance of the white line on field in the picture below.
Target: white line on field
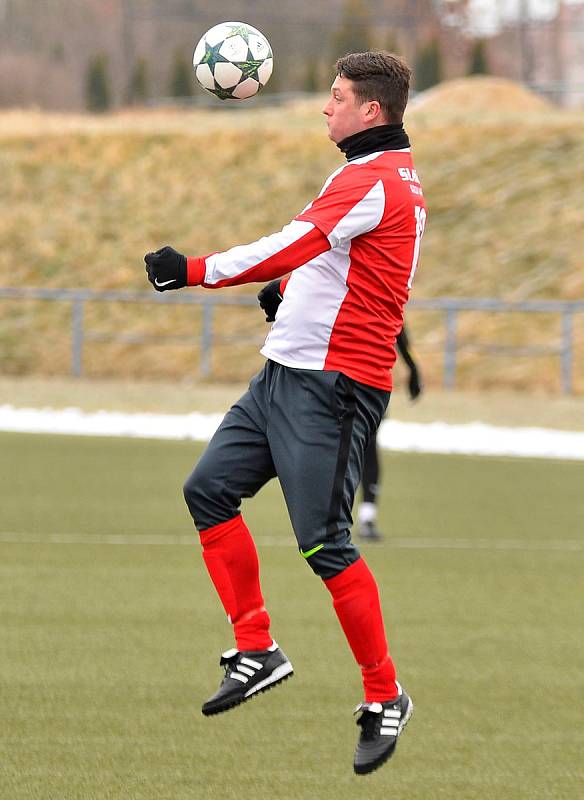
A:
(141, 540)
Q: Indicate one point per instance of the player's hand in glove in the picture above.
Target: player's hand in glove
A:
(166, 269)
(415, 384)
(270, 298)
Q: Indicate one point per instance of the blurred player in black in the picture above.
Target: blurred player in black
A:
(270, 298)
(370, 482)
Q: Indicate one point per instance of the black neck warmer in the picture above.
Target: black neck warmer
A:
(373, 140)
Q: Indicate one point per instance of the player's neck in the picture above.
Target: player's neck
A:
(372, 140)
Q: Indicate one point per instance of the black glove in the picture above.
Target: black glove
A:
(166, 269)
(270, 298)
(415, 384)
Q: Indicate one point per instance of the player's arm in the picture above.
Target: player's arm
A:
(268, 258)
(349, 204)
(415, 385)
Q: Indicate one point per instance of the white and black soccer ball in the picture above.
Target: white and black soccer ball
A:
(233, 61)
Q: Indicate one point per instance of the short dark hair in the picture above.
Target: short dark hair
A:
(380, 76)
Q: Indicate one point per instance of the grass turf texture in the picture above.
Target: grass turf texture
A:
(108, 651)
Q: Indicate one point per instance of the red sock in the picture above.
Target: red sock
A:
(356, 601)
(231, 558)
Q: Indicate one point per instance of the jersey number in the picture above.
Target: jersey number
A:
(420, 225)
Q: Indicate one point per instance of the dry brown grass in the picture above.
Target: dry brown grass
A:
(479, 96)
(84, 197)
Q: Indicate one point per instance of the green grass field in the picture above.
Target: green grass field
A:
(110, 634)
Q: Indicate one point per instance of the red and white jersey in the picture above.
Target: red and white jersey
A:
(352, 254)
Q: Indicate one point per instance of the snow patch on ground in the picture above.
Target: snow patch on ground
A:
(474, 438)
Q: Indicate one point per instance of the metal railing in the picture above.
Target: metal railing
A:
(450, 307)
(453, 306)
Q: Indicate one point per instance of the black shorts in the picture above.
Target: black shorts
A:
(308, 428)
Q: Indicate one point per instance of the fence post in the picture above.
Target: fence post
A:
(77, 309)
(206, 340)
(567, 341)
(450, 349)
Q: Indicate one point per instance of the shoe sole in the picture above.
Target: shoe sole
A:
(279, 675)
(365, 769)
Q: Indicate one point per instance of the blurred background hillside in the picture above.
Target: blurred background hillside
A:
(108, 149)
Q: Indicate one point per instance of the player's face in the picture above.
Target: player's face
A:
(345, 114)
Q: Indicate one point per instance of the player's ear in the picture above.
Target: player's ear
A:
(373, 109)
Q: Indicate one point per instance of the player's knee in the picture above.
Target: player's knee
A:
(319, 567)
(197, 491)
(209, 499)
(331, 557)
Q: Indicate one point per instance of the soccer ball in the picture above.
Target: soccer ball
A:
(233, 61)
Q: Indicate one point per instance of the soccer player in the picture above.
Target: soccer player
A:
(309, 413)
(270, 297)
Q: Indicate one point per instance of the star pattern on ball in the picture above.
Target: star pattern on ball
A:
(223, 94)
(213, 54)
(233, 61)
(250, 68)
(240, 30)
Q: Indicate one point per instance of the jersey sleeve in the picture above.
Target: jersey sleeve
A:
(268, 258)
(352, 202)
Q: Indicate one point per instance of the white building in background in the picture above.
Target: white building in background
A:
(487, 17)
(539, 42)
(572, 56)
